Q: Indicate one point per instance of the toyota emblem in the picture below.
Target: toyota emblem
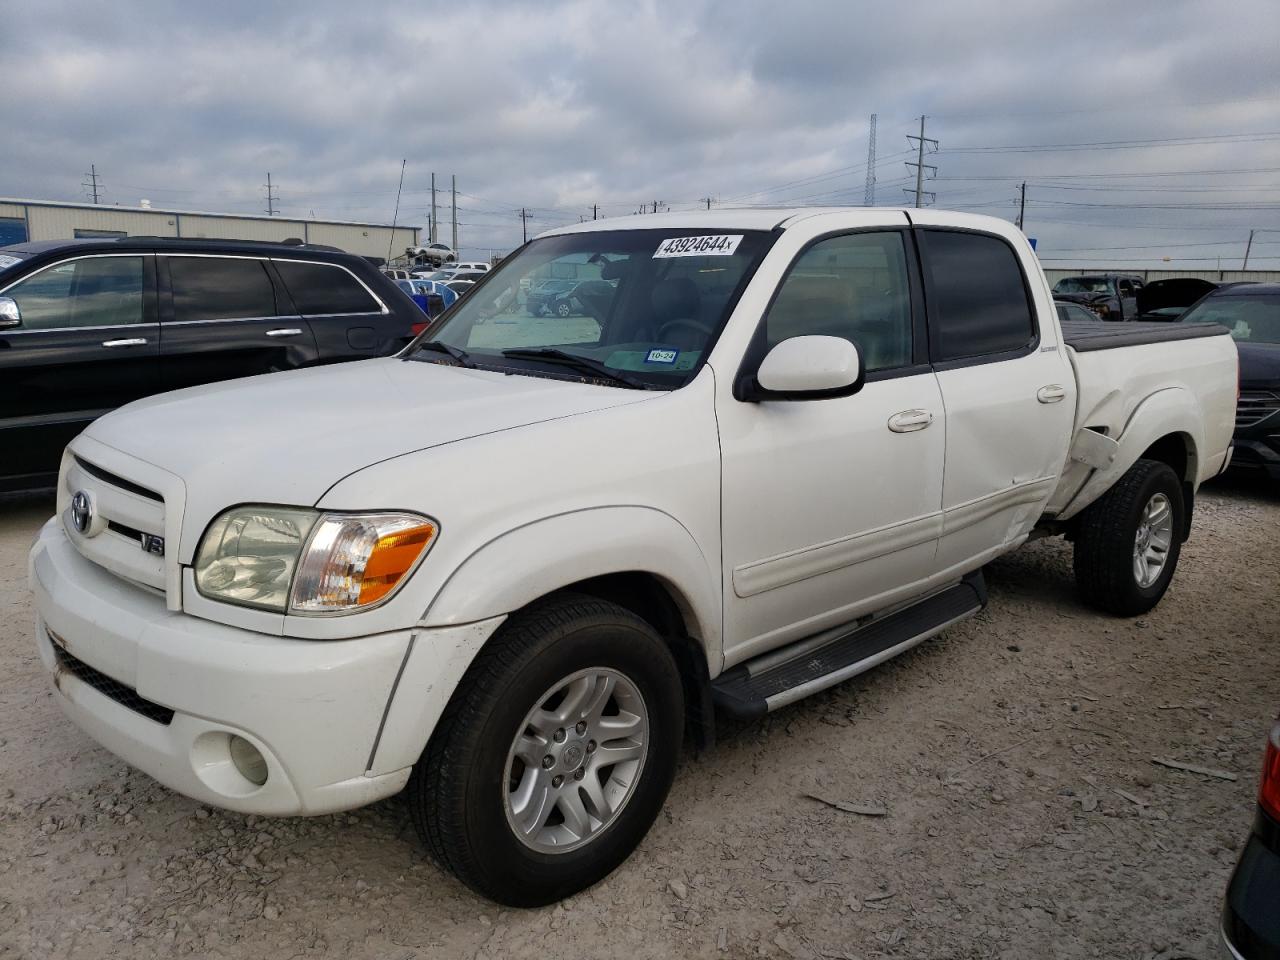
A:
(81, 511)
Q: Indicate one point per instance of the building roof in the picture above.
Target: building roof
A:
(17, 201)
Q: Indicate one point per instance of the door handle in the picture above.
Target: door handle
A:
(908, 421)
(284, 332)
(129, 342)
(1051, 393)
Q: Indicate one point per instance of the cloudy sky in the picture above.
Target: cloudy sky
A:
(1143, 131)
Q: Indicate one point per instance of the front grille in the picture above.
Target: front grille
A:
(117, 691)
(1254, 406)
(107, 477)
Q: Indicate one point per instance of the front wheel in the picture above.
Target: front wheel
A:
(563, 309)
(555, 753)
(1129, 540)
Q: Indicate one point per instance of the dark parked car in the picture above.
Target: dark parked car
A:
(1251, 311)
(1112, 296)
(1169, 299)
(1251, 914)
(89, 325)
(554, 297)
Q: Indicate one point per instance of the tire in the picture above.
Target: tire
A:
(563, 309)
(463, 792)
(1108, 573)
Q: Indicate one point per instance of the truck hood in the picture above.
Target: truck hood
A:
(287, 437)
(1083, 297)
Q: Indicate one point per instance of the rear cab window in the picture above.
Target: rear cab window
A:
(979, 304)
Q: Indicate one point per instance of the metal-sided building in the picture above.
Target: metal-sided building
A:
(23, 220)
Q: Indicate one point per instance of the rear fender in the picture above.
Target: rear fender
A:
(1170, 411)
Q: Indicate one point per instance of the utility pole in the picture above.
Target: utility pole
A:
(271, 197)
(1022, 205)
(524, 224)
(920, 165)
(434, 218)
(93, 181)
(455, 211)
(1247, 247)
(707, 201)
(595, 211)
(869, 194)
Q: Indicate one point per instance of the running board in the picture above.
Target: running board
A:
(784, 676)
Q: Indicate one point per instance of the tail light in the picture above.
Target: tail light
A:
(1269, 791)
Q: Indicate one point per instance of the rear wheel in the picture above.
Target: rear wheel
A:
(555, 754)
(1129, 540)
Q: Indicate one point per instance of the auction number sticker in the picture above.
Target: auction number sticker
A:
(720, 245)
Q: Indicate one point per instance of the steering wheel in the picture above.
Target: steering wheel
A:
(697, 325)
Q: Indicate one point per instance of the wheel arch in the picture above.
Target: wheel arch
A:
(1166, 426)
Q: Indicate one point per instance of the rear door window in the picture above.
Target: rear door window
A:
(319, 289)
(979, 306)
(220, 288)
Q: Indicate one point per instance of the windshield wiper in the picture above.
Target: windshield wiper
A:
(581, 364)
(437, 346)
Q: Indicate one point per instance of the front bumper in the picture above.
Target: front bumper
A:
(315, 710)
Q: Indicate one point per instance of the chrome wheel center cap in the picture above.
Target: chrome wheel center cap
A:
(572, 756)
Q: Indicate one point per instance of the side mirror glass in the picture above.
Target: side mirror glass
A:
(10, 315)
(809, 368)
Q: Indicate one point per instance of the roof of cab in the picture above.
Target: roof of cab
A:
(740, 218)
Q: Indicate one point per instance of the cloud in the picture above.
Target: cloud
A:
(557, 106)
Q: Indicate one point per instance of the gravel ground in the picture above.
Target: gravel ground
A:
(998, 750)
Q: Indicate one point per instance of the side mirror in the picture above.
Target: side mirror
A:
(808, 368)
(10, 315)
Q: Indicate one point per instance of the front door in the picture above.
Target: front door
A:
(87, 342)
(831, 508)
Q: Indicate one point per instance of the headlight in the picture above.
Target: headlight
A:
(307, 562)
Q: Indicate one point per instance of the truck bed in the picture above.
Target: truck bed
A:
(1083, 336)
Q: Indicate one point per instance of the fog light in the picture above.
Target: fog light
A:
(248, 760)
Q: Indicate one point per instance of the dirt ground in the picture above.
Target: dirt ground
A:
(999, 750)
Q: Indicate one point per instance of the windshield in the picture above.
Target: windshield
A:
(646, 304)
(1083, 285)
(1253, 319)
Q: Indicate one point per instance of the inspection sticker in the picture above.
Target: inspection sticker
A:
(662, 356)
(720, 245)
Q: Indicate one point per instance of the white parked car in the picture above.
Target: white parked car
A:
(436, 253)
(506, 568)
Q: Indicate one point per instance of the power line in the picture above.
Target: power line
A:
(1122, 144)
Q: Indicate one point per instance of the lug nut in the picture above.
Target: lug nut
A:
(559, 735)
(578, 774)
(581, 727)
(591, 746)
(557, 780)
(548, 762)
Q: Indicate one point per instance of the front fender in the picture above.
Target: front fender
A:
(546, 555)
(1170, 411)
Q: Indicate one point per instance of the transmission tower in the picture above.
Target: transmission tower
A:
(869, 197)
(272, 196)
(92, 183)
(921, 166)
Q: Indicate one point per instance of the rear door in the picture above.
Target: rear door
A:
(350, 321)
(1007, 387)
(87, 343)
(223, 317)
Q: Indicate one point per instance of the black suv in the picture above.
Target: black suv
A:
(89, 325)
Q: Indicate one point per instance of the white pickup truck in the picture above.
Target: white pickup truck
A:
(511, 566)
